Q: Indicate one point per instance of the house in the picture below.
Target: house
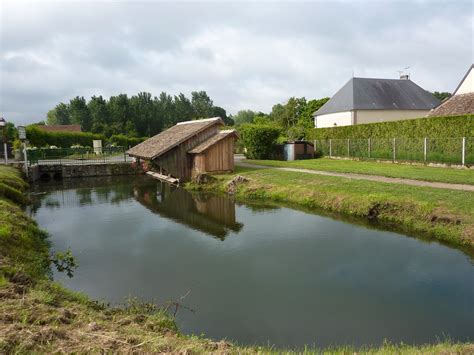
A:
(462, 101)
(61, 128)
(189, 148)
(367, 100)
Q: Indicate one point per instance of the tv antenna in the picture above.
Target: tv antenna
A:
(402, 72)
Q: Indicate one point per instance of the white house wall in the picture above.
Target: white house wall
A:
(333, 119)
(371, 116)
(467, 85)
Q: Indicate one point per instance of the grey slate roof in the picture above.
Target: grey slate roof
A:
(379, 94)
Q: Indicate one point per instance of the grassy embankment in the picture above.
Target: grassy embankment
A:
(39, 315)
(416, 172)
(445, 215)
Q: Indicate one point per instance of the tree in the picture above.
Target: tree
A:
(79, 113)
(119, 110)
(243, 116)
(306, 117)
(220, 112)
(441, 95)
(99, 114)
(59, 115)
(202, 104)
(183, 108)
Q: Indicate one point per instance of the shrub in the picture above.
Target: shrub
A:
(430, 127)
(125, 141)
(259, 140)
(39, 138)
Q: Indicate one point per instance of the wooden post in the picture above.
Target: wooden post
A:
(425, 148)
(26, 159)
(463, 154)
(348, 147)
(368, 142)
(394, 148)
(330, 148)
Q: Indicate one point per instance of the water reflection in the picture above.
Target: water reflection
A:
(213, 215)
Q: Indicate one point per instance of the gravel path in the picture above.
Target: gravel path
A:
(411, 182)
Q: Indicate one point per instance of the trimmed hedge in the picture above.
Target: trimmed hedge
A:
(259, 140)
(39, 138)
(431, 127)
(125, 141)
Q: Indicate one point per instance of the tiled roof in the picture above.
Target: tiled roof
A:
(61, 128)
(456, 105)
(213, 140)
(166, 140)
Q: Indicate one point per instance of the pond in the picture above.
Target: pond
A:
(256, 274)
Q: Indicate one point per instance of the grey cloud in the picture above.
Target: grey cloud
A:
(245, 54)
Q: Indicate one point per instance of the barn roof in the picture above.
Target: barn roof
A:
(462, 104)
(379, 94)
(213, 140)
(61, 128)
(166, 140)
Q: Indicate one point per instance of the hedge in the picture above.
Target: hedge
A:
(125, 141)
(39, 138)
(432, 127)
(259, 140)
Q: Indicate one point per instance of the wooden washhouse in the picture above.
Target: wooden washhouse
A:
(188, 149)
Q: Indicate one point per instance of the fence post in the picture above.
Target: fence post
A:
(330, 148)
(348, 147)
(425, 148)
(368, 143)
(463, 155)
(25, 154)
(394, 148)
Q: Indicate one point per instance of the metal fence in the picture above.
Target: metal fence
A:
(77, 156)
(458, 151)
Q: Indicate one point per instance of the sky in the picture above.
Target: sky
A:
(245, 55)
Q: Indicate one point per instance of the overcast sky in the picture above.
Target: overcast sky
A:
(246, 55)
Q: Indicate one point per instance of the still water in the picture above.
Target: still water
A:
(256, 274)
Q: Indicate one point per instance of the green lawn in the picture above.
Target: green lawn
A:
(416, 172)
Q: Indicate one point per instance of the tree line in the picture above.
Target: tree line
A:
(293, 118)
(140, 115)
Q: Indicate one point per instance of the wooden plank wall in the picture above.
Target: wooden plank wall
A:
(177, 162)
(220, 157)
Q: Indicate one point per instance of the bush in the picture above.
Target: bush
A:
(259, 140)
(39, 138)
(125, 141)
(431, 127)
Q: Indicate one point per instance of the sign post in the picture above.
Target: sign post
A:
(22, 136)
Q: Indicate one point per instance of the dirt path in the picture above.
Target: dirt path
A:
(411, 182)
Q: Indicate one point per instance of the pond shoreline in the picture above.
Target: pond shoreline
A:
(393, 206)
(39, 315)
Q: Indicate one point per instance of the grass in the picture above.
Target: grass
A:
(38, 315)
(444, 215)
(416, 172)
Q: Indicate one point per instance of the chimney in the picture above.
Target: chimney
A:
(404, 77)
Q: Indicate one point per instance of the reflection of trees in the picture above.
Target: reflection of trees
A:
(259, 206)
(85, 196)
(214, 215)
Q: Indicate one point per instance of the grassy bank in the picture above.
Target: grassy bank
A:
(38, 315)
(416, 172)
(444, 215)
